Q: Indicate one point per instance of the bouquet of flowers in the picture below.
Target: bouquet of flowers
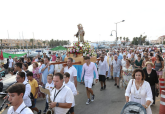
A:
(75, 49)
(88, 50)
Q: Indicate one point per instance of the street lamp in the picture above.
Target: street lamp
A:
(116, 30)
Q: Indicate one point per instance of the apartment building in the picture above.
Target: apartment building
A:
(10, 43)
(160, 40)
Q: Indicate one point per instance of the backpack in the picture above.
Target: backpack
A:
(31, 97)
(133, 108)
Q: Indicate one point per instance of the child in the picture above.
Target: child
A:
(34, 90)
(49, 85)
(72, 87)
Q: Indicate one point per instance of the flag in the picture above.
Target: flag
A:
(1, 56)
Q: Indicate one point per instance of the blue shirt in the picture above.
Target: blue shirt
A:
(46, 72)
(120, 57)
(63, 57)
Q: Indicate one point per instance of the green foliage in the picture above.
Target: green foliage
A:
(140, 40)
(53, 43)
(17, 46)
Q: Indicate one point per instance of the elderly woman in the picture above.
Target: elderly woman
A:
(127, 71)
(123, 61)
(139, 90)
(159, 66)
(138, 62)
(151, 77)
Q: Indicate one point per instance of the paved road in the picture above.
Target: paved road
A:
(109, 101)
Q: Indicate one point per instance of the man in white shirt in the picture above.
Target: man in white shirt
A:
(71, 70)
(61, 96)
(88, 68)
(103, 71)
(116, 65)
(72, 87)
(57, 67)
(16, 93)
(21, 79)
(10, 67)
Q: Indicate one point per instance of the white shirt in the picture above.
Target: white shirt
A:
(142, 95)
(36, 60)
(18, 111)
(72, 71)
(105, 58)
(26, 97)
(103, 67)
(10, 63)
(123, 62)
(58, 67)
(73, 88)
(64, 96)
(50, 88)
(129, 55)
(25, 75)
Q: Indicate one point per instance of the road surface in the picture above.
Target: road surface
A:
(109, 101)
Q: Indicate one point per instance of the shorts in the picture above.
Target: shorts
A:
(10, 70)
(159, 72)
(34, 103)
(116, 74)
(102, 78)
(88, 83)
(71, 110)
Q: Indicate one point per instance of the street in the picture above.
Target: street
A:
(109, 101)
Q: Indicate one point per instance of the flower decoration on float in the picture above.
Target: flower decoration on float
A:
(85, 49)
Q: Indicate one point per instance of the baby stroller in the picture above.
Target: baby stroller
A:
(133, 108)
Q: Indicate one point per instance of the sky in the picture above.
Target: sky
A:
(58, 19)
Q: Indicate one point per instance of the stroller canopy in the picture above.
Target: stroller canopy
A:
(133, 108)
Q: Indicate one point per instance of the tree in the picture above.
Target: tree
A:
(120, 38)
(17, 46)
(44, 42)
(38, 43)
(127, 39)
(32, 41)
(117, 38)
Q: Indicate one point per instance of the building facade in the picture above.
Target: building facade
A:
(160, 40)
(24, 43)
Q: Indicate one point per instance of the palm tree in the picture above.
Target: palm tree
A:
(124, 40)
(44, 42)
(117, 38)
(127, 39)
(32, 41)
(120, 38)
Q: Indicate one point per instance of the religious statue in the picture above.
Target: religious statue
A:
(80, 34)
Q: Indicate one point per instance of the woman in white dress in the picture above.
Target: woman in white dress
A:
(139, 90)
(127, 71)
(123, 61)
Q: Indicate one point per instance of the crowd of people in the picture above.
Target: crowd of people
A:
(137, 70)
